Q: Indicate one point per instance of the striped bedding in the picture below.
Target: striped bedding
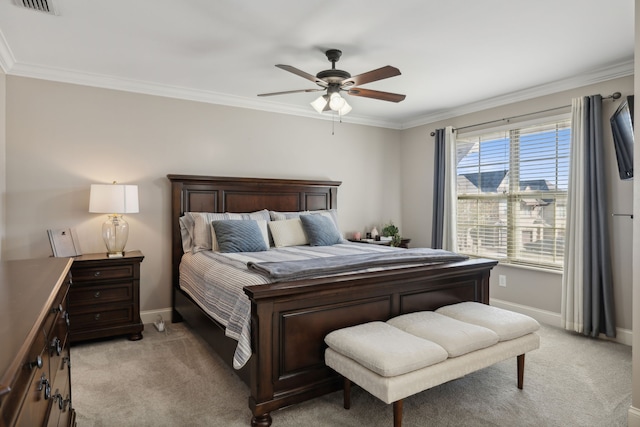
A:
(215, 281)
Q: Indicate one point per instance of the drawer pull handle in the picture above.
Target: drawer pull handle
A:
(66, 318)
(56, 346)
(58, 397)
(44, 385)
(37, 362)
(97, 316)
(96, 274)
(97, 294)
(57, 309)
(66, 360)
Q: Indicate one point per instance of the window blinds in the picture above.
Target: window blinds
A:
(512, 193)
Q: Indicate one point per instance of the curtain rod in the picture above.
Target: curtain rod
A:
(614, 95)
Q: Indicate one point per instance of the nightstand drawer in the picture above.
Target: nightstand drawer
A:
(88, 295)
(102, 316)
(102, 273)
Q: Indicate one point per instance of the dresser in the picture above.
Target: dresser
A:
(104, 299)
(35, 377)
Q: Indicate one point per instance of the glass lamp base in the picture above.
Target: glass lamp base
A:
(115, 232)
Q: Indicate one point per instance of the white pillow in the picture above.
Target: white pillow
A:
(262, 224)
(288, 232)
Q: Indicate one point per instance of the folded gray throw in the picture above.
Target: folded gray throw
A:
(304, 269)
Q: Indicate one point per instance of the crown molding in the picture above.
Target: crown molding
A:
(210, 97)
(614, 71)
(7, 62)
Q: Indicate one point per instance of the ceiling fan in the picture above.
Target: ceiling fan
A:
(335, 81)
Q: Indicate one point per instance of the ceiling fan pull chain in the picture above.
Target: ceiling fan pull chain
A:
(333, 123)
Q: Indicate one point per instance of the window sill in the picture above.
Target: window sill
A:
(540, 269)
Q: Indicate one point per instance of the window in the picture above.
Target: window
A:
(512, 193)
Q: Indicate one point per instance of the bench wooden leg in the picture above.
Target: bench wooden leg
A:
(520, 371)
(347, 393)
(397, 413)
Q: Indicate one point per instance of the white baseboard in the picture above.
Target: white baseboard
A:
(633, 420)
(623, 336)
(150, 316)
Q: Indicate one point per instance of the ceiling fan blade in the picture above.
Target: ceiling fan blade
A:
(302, 74)
(372, 76)
(289, 91)
(384, 96)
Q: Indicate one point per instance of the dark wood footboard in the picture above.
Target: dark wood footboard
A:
(290, 321)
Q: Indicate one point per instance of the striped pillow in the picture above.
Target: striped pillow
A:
(239, 236)
(262, 225)
(201, 238)
(320, 230)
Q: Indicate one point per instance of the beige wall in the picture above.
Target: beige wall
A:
(539, 292)
(3, 176)
(62, 137)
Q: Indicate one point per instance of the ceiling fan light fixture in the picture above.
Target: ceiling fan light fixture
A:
(346, 108)
(324, 103)
(336, 102)
(320, 103)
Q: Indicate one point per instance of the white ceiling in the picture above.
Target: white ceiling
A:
(456, 56)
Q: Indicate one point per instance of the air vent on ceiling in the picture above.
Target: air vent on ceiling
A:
(46, 6)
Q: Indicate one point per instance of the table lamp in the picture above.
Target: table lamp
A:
(115, 200)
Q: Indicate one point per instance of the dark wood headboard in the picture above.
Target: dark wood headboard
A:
(193, 193)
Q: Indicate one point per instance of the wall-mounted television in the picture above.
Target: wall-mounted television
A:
(622, 129)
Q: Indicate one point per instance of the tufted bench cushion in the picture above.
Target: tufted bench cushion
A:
(507, 324)
(385, 350)
(456, 337)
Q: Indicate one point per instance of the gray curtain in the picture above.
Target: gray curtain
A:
(438, 189)
(598, 304)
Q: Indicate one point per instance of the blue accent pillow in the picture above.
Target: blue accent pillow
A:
(320, 230)
(239, 236)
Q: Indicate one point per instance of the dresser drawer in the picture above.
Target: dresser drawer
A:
(60, 391)
(32, 368)
(57, 312)
(89, 295)
(102, 316)
(35, 406)
(91, 274)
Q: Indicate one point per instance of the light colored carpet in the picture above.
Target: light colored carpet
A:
(173, 379)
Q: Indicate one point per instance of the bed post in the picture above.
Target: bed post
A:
(176, 247)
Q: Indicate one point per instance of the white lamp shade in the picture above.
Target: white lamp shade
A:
(336, 102)
(344, 110)
(113, 198)
(320, 104)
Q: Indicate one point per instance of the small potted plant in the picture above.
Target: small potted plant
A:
(390, 230)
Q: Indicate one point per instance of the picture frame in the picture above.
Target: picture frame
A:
(64, 242)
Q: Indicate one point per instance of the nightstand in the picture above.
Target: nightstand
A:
(404, 243)
(104, 299)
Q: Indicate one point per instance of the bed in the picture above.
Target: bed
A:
(289, 319)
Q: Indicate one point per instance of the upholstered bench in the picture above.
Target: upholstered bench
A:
(414, 352)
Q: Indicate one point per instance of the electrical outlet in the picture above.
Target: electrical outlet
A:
(502, 280)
